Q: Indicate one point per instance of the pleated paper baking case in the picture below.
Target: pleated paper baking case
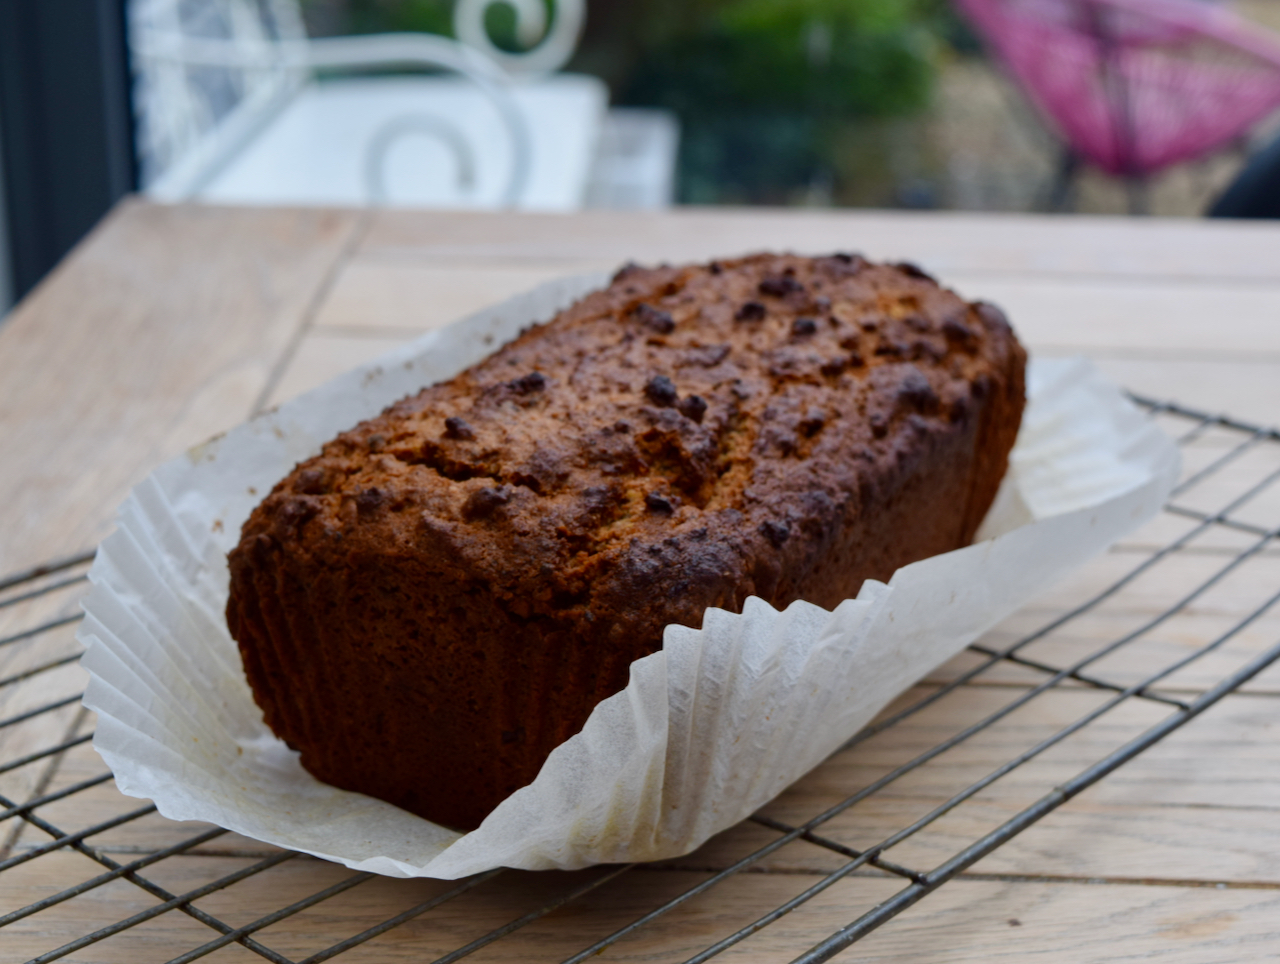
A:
(709, 729)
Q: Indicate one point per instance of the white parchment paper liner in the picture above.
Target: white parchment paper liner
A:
(708, 730)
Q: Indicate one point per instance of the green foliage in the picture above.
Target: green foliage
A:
(823, 57)
(768, 90)
(379, 16)
(422, 16)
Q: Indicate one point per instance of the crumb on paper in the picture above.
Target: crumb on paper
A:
(198, 453)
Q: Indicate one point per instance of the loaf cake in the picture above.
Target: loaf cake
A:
(432, 604)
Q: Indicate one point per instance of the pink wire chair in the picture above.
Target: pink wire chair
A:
(1133, 86)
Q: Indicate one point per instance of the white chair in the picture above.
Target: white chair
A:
(635, 161)
(232, 110)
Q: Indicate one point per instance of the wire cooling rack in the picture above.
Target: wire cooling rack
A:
(1061, 695)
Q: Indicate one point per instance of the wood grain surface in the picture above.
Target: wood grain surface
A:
(171, 323)
(164, 327)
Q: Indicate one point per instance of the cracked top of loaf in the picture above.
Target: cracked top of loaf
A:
(688, 431)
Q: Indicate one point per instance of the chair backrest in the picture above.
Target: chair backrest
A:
(179, 103)
(210, 73)
(1135, 85)
(547, 48)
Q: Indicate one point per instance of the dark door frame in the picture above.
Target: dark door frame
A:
(66, 126)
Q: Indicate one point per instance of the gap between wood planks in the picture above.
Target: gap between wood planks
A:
(1077, 685)
(998, 878)
(314, 304)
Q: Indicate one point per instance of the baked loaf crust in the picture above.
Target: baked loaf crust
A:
(435, 602)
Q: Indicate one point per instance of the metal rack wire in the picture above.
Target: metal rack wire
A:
(1221, 524)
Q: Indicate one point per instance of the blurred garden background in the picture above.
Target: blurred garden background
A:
(885, 103)
(1170, 107)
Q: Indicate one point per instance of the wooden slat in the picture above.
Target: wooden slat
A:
(161, 329)
(324, 354)
(1084, 841)
(1247, 389)
(377, 294)
(945, 243)
(1181, 319)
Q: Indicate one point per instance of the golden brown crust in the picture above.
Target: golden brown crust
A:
(431, 605)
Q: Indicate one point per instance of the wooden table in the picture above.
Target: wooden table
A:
(169, 324)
